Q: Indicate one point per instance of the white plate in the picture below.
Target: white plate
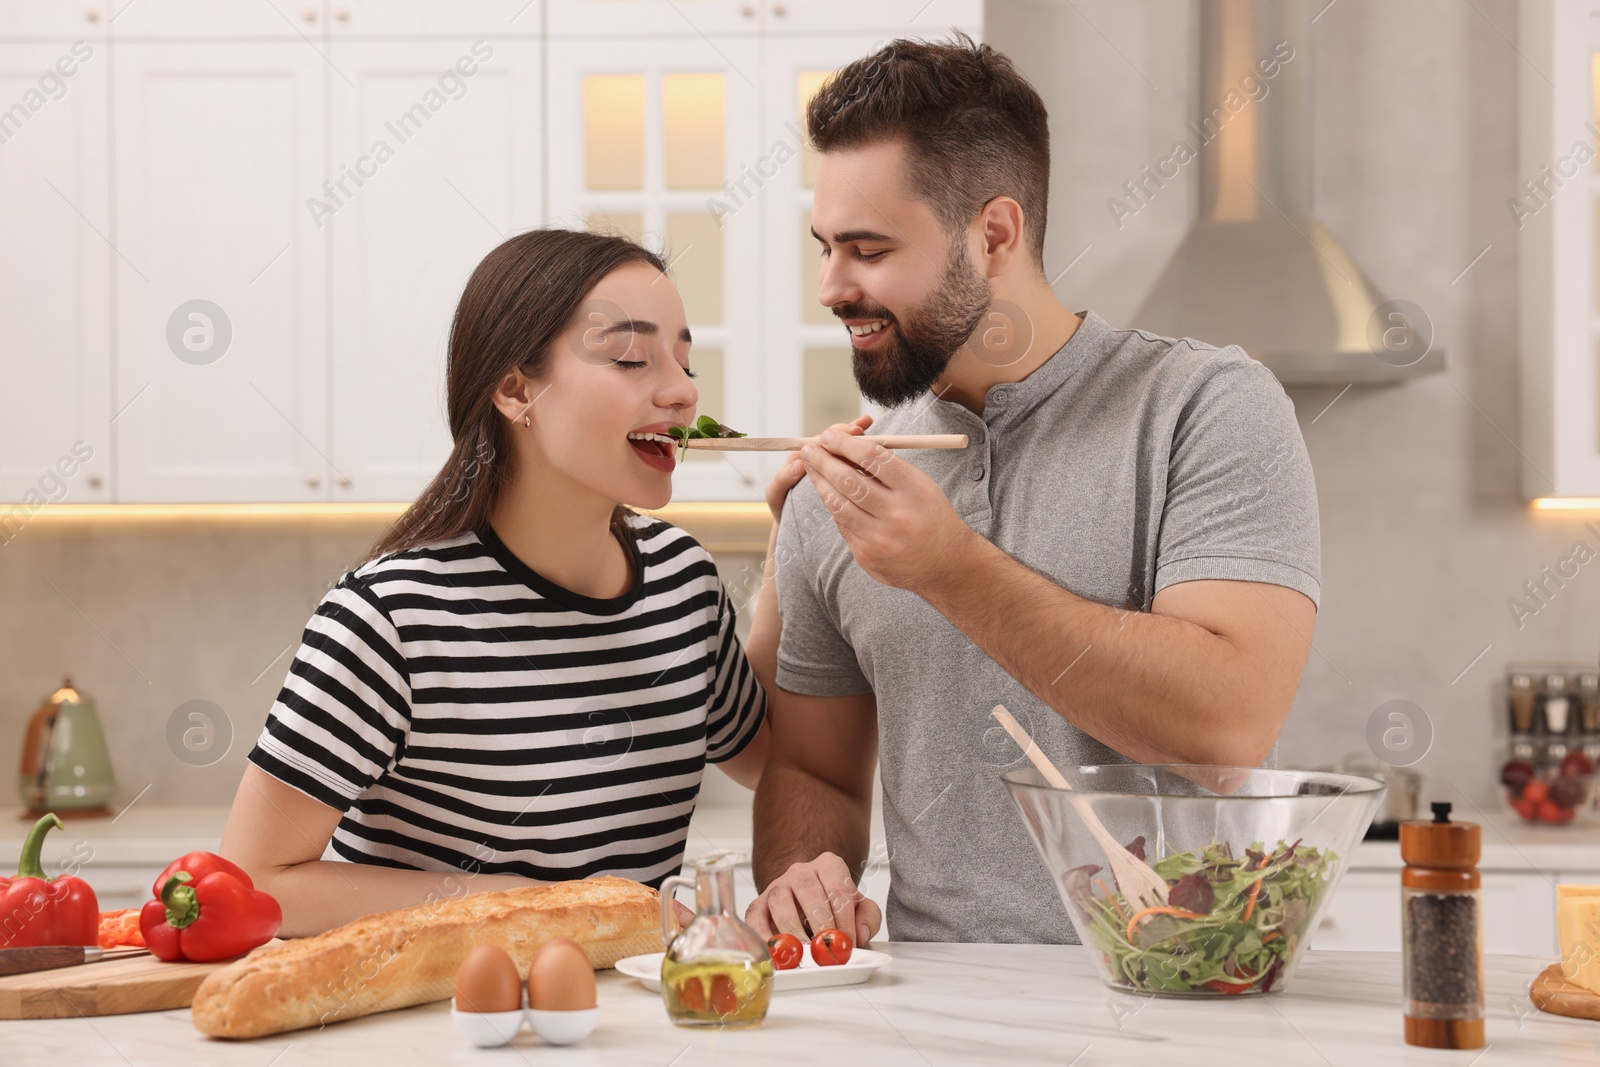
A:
(809, 975)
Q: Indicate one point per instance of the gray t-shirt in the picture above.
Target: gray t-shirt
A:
(1126, 463)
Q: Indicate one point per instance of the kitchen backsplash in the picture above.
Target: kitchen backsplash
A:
(159, 620)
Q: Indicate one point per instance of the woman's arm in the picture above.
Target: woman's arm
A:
(278, 834)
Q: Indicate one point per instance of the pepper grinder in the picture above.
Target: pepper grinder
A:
(1442, 928)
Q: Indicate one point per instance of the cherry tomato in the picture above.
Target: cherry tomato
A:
(1222, 985)
(831, 947)
(724, 998)
(1528, 809)
(692, 994)
(786, 950)
(1550, 811)
(1535, 791)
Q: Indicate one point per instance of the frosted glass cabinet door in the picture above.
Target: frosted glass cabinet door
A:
(435, 167)
(809, 382)
(647, 142)
(220, 387)
(54, 306)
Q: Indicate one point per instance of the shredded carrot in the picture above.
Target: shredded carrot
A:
(1250, 905)
(1270, 936)
(1158, 910)
(1111, 899)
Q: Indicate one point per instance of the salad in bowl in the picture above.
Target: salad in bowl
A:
(1249, 858)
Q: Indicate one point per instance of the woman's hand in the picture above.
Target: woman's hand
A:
(794, 469)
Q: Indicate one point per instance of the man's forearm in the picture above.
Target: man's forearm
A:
(799, 817)
(1155, 688)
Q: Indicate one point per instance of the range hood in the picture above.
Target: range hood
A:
(1257, 268)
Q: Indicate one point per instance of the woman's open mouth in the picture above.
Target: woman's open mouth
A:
(655, 449)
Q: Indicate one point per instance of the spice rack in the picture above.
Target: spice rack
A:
(1551, 713)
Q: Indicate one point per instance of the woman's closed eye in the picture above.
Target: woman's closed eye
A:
(645, 363)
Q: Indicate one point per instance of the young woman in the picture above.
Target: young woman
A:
(526, 679)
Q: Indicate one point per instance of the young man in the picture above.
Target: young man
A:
(1126, 555)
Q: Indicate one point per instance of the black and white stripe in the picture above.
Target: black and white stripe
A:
(464, 712)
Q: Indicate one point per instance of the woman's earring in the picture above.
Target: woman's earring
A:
(526, 421)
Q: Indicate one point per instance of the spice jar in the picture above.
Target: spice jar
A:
(1442, 928)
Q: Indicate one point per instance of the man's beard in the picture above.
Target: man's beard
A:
(922, 343)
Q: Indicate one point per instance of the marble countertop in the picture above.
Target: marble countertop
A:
(933, 1005)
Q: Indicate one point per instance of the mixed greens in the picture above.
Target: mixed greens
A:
(705, 426)
(1230, 924)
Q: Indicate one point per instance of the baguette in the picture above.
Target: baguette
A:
(397, 959)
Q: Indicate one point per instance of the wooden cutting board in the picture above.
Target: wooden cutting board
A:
(1552, 992)
(119, 983)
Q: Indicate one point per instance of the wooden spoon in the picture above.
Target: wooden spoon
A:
(789, 444)
(1134, 877)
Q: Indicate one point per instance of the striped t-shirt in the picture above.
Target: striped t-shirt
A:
(466, 713)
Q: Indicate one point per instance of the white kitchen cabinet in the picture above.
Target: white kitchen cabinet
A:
(696, 18)
(31, 20)
(228, 340)
(55, 406)
(489, 19)
(168, 20)
(1554, 209)
(426, 194)
(1519, 912)
(1364, 914)
(653, 18)
(221, 347)
(883, 19)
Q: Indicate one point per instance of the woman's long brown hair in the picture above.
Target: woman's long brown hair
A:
(516, 305)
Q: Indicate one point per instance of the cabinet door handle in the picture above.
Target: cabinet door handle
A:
(342, 14)
(91, 15)
(309, 14)
(313, 480)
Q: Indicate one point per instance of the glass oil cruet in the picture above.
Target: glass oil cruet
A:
(717, 972)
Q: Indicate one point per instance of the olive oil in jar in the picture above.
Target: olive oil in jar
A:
(716, 972)
(732, 992)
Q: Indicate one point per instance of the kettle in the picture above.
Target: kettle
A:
(66, 767)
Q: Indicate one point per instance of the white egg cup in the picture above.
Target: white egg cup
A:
(487, 1029)
(564, 1027)
(491, 1029)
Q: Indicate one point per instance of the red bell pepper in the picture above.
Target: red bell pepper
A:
(36, 911)
(207, 909)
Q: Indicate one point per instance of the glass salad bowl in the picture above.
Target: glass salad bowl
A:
(1250, 858)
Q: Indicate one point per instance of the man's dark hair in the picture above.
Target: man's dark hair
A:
(974, 128)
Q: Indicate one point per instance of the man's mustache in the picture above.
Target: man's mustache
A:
(862, 311)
